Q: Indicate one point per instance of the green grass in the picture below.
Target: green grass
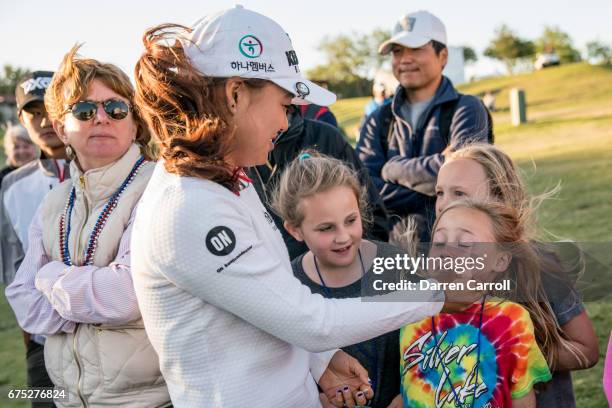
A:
(12, 355)
(568, 139)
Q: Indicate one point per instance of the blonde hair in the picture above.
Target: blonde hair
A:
(509, 227)
(505, 183)
(71, 82)
(313, 173)
(11, 134)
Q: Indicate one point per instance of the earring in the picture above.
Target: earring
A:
(70, 154)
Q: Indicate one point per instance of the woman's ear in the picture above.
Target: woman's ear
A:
(293, 231)
(234, 93)
(502, 262)
(60, 131)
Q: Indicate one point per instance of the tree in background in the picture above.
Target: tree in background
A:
(559, 42)
(10, 78)
(507, 47)
(599, 51)
(469, 55)
(349, 60)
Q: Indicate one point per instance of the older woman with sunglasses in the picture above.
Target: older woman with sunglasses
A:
(75, 283)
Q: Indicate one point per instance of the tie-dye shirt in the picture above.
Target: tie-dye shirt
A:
(510, 360)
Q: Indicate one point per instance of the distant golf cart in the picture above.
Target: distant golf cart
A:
(545, 60)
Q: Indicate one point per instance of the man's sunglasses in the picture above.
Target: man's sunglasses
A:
(116, 109)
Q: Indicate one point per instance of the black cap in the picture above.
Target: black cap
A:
(32, 88)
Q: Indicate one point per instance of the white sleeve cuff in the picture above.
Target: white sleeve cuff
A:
(319, 363)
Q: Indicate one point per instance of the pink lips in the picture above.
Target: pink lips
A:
(48, 135)
(102, 136)
(342, 250)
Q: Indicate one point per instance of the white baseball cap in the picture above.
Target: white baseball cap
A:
(243, 43)
(414, 30)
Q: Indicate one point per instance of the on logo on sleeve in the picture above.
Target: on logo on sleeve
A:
(220, 241)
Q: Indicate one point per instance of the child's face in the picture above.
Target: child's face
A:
(332, 226)
(460, 178)
(467, 232)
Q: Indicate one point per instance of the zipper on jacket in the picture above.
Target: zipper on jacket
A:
(78, 363)
(402, 121)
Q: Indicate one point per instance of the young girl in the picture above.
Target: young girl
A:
(483, 171)
(323, 205)
(486, 355)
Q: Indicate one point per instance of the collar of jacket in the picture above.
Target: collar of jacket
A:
(49, 167)
(445, 92)
(101, 183)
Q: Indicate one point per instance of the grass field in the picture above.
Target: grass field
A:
(568, 139)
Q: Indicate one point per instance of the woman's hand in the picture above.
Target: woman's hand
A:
(345, 381)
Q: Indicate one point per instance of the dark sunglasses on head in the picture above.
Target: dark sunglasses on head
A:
(116, 109)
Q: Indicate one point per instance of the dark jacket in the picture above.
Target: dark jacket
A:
(405, 173)
(320, 113)
(326, 139)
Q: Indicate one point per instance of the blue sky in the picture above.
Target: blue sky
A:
(36, 33)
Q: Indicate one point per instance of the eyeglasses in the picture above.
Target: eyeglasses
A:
(116, 109)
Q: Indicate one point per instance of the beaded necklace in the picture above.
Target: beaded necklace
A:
(64, 224)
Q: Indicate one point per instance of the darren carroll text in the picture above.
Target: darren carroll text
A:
(471, 284)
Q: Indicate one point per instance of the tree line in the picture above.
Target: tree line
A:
(350, 59)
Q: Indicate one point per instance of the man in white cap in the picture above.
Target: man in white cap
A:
(403, 143)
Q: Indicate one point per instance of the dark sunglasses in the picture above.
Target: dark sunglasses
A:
(116, 109)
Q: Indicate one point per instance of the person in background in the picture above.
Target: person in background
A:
(18, 148)
(402, 144)
(22, 192)
(380, 97)
(24, 189)
(320, 113)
